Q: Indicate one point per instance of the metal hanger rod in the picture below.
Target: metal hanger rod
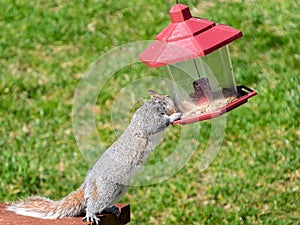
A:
(198, 73)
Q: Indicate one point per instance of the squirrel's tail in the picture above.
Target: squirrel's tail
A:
(40, 207)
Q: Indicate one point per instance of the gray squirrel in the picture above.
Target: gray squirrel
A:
(109, 178)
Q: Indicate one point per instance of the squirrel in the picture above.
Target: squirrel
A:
(109, 178)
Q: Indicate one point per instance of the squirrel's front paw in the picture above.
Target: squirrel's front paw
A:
(91, 218)
(175, 116)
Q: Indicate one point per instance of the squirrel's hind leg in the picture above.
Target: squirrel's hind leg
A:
(114, 210)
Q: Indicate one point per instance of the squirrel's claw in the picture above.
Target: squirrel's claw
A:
(93, 219)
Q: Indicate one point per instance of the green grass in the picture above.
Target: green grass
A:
(46, 47)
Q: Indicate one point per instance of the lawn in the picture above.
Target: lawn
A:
(46, 47)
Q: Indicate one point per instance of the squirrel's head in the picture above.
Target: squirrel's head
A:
(165, 101)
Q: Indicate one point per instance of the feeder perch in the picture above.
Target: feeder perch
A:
(196, 55)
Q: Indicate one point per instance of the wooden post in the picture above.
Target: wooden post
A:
(10, 218)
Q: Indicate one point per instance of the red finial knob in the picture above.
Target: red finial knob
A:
(180, 13)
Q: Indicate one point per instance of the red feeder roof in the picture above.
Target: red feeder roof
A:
(187, 37)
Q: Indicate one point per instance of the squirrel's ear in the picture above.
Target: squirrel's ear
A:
(153, 94)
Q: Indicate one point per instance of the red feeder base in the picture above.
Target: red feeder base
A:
(244, 92)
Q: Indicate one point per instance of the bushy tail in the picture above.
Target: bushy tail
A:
(40, 207)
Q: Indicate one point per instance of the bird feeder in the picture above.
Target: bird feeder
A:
(196, 55)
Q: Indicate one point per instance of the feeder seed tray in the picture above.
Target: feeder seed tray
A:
(216, 108)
